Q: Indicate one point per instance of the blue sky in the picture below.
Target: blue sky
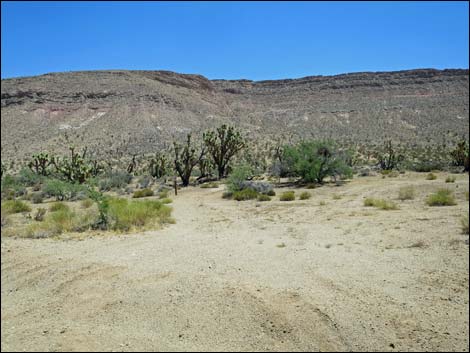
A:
(252, 40)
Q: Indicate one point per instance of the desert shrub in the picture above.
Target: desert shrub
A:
(271, 193)
(209, 186)
(63, 190)
(237, 177)
(322, 203)
(287, 196)
(12, 188)
(431, 176)
(315, 160)
(258, 186)
(406, 193)
(305, 195)
(263, 197)
(86, 203)
(380, 203)
(443, 197)
(124, 214)
(27, 177)
(15, 206)
(450, 179)
(40, 213)
(114, 179)
(37, 197)
(245, 194)
(58, 206)
(227, 195)
(464, 224)
(142, 193)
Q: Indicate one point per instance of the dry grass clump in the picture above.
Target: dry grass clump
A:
(305, 195)
(58, 206)
(287, 196)
(86, 203)
(210, 185)
(15, 206)
(263, 197)
(143, 193)
(431, 176)
(380, 203)
(443, 197)
(406, 193)
(450, 179)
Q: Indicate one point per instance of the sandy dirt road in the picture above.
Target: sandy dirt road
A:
(241, 276)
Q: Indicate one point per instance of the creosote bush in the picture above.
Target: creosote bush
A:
(245, 194)
(443, 197)
(287, 196)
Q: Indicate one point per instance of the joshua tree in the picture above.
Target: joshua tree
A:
(186, 157)
(222, 144)
(41, 162)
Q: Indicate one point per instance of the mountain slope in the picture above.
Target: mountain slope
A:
(126, 112)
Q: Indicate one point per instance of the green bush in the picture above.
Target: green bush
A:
(443, 197)
(304, 195)
(143, 193)
(15, 206)
(63, 190)
(27, 177)
(271, 193)
(236, 178)
(315, 160)
(431, 176)
(12, 188)
(406, 193)
(245, 194)
(287, 196)
(263, 197)
(380, 203)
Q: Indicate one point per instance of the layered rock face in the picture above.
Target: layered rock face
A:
(130, 112)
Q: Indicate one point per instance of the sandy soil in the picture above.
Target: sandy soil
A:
(269, 276)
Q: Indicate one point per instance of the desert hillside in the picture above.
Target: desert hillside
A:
(125, 112)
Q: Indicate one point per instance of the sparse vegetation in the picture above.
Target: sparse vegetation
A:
(464, 224)
(209, 186)
(380, 203)
(15, 206)
(406, 193)
(443, 197)
(40, 213)
(431, 176)
(304, 195)
(142, 193)
(287, 196)
(58, 206)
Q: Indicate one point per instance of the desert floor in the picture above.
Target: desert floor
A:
(241, 276)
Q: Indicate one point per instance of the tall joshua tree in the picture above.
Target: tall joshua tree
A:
(222, 145)
(186, 157)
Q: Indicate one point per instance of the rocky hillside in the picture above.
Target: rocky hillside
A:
(137, 111)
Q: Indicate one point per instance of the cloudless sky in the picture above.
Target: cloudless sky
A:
(252, 40)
